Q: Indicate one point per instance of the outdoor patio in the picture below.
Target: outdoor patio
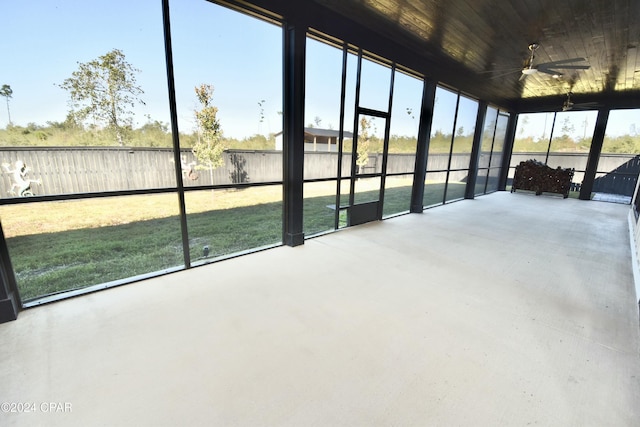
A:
(506, 310)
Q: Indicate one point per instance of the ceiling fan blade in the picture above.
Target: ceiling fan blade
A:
(582, 107)
(564, 67)
(548, 71)
(492, 74)
(587, 104)
(508, 73)
(500, 70)
(562, 61)
(522, 77)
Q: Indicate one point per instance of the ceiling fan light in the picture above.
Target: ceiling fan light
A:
(529, 71)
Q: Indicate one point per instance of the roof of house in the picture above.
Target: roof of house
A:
(332, 133)
(327, 133)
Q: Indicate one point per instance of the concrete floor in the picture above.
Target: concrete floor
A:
(508, 310)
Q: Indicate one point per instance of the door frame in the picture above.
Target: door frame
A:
(359, 213)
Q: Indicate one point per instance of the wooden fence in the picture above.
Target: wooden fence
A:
(65, 170)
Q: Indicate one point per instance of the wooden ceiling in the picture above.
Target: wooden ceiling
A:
(480, 46)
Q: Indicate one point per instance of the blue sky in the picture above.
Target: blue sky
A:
(41, 42)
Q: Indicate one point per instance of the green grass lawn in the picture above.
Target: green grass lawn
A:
(61, 246)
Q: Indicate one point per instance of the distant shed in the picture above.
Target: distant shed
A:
(316, 139)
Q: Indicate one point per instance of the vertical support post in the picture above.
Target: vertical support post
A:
(9, 299)
(470, 189)
(453, 140)
(509, 139)
(594, 154)
(355, 170)
(293, 132)
(340, 140)
(385, 149)
(175, 135)
(422, 151)
(553, 127)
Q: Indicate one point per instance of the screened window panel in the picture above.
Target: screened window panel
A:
(319, 207)
(481, 181)
(623, 132)
(375, 85)
(76, 244)
(488, 132)
(405, 115)
(397, 194)
(247, 105)
(571, 142)
(532, 137)
(444, 113)
(456, 185)
(434, 188)
(323, 86)
(230, 221)
(493, 180)
(463, 138)
(57, 143)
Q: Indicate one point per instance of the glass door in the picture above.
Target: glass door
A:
(370, 146)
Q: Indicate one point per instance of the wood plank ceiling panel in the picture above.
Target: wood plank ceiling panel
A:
(487, 40)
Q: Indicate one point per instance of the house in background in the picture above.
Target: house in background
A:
(316, 139)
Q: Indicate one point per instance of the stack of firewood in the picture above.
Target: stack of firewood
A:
(533, 175)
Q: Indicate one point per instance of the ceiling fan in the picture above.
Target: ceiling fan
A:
(552, 67)
(568, 104)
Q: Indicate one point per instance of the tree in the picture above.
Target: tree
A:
(524, 122)
(364, 141)
(105, 90)
(153, 133)
(261, 105)
(6, 91)
(567, 128)
(209, 147)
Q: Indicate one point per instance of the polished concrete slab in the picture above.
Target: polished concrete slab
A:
(507, 310)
